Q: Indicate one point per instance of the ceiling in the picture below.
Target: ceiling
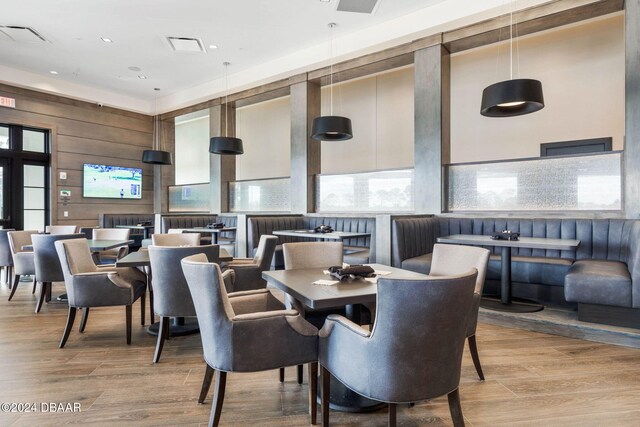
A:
(262, 39)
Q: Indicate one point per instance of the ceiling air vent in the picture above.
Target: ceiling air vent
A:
(357, 6)
(186, 44)
(22, 34)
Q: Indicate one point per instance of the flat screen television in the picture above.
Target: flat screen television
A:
(111, 182)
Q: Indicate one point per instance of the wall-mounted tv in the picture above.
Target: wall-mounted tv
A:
(111, 182)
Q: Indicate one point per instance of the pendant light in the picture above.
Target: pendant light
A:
(331, 128)
(513, 97)
(156, 156)
(226, 145)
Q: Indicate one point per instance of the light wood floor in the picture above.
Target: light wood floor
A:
(533, 379)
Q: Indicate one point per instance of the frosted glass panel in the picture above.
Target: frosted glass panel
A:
(4, 137)
(33, 141)
(34, 220)
(381, 191)
(33, 176)
(591, 182)
(264, 195)
(189, 198)
(34, 198)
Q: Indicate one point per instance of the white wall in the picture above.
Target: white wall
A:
(265, 130)
(192, 148)
(581, 68)
(381, 110)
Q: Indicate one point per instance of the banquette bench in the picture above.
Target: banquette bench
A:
(111, 220)
(357, 251)
(225, 239)
(602, 275)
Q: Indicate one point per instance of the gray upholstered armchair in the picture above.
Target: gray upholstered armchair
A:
(23, 264)
(6, 260)
(47, 263)
(249, 270)
(246, 332)
(89, 285)
(112, 255)
(61, 229)
(448, 260)
(414, 351)
(171, 293)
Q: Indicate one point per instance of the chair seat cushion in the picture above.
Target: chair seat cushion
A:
(419, 264)
(529, 269)
(356, 255)
(599, 282)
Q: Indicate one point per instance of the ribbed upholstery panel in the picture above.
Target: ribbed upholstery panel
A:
(185, 221)
(412, 237)
(355, 225)
(259, 225)
(111, 220)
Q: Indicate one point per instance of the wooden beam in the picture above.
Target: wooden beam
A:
(539, 18)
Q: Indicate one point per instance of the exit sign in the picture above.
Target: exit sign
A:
(7, 102)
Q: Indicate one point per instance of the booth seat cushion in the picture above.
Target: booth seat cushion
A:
(530, 269)
(598, 282)
(419, 264)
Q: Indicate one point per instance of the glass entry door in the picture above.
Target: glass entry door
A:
(5, 193)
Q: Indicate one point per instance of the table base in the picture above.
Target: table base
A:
(177, 328)
(517, 305)
(343, 399)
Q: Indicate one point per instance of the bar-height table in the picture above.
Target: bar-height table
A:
(299, 285)
(506, 303)
(215, 232)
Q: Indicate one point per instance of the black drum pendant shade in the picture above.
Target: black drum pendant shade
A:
(226, 145)
(331, 128)
(512, 98)
(156, 157)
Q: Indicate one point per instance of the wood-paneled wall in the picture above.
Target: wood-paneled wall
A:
(82, 132)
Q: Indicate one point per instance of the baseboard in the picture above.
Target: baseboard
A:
(609, 315)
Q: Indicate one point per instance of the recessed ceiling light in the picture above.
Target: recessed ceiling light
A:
(142, 77)
(213, 46)
(53, 72)
(106, 39)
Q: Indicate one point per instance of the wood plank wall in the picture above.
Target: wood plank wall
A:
(82, 132)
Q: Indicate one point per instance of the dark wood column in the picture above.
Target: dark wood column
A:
(305, 152)
(432, 133)
(222, 122)
(164, 176)
(632, 110)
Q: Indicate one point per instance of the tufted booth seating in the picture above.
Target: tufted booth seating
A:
(604, 270)
(226, 240)
(357, 251)
(111, 220)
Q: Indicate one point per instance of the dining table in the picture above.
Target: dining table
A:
(312, 234)
(145, 229)
(505, 302)
(302, 286)
(215, 232)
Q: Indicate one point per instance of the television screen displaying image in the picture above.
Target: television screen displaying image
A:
(112, 182)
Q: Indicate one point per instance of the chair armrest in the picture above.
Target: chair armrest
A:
(245, 293)
(264, 315)
(278, 320)
(249, 302)
(336, 319)
(93, 273)
(241, 261)
(106, 266)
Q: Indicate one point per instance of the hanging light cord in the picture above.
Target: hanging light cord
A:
(331, 29)
(156, 136)
(511, 42)
(226, 98)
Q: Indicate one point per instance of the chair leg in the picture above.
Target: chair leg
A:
(473, 348)
(67, 329)
(313, 391)
(324, 403)
(152, 315)
(83, 321)
(128, 316)
(163, 332)
(43, 294)
(299, 374)
(206, 384)
(455, 408)
(142, 307)
(392, 415)
(33, 288)
(49, 286)
(218, 398)
(16, 280)
(281, 375)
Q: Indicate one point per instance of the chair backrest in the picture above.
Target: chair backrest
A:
(182, 239)
(111, 234)
(311, 255)
(266, 249)
(45, 256)
(171, 292)
(213, 309)
(5, 249)
(450, 260)
(415, 348)
(75, 257)
(61, 229)
(18, 239)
